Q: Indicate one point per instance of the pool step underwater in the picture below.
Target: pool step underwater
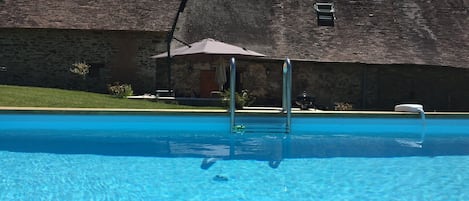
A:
(265, 130)
(267, 125)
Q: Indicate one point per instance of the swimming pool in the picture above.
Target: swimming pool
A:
(68, 156)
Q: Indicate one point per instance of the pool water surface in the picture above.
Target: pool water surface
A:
(135, 157)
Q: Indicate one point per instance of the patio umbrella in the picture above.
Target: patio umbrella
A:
(210, 47)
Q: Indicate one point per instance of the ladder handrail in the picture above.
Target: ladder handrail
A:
(284, 87)
(286, 96)
(286, 93)
(232, 93)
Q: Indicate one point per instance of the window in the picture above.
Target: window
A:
(325, 14)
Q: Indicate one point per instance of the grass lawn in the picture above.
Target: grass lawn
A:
(18, 96)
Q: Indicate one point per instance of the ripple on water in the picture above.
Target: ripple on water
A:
(40, 176)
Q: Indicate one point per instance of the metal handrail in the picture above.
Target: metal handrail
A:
(232, 93)
(286, 94)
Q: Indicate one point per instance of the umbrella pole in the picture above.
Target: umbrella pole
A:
(169, 65)
(170, 38)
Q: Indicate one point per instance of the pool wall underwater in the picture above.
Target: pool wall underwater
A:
(208, 135)
(346, 123)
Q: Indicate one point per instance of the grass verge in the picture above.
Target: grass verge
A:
(20, 96)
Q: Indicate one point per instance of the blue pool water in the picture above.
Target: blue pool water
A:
(160, 157)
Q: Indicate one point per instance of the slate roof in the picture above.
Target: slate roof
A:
(141, 15)
(429, 32)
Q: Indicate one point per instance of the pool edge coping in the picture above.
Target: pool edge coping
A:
(223, 111)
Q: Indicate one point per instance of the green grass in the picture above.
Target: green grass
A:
(19, 96)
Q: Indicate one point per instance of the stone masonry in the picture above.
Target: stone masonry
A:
(365, 86)
(43, 57)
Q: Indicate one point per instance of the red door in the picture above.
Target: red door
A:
(207, 83)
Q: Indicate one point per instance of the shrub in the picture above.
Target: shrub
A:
(242, 99)
(341, 106)
(80, 68)
(120, 90)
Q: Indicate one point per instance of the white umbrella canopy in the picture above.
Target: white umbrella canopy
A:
(210, 47)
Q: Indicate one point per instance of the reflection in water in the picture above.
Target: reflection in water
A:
(272, 148)
(207, 163)
(409, 143)
(274, 164)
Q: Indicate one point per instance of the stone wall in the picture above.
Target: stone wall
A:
(437, 88)
(43, 57)
(365, 86)
(327, 82)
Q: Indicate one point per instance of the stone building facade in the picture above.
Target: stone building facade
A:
(40, 40)
(43, 57)
(377, 54)
(364, 86)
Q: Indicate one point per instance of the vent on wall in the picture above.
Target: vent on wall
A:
(325, 13)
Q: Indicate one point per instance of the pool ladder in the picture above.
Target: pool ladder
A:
(267, 124)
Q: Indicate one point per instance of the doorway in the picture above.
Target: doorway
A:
(207, 83)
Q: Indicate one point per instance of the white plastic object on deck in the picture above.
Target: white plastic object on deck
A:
(408, 108)
(418, 109)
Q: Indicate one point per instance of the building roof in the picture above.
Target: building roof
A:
(429, 32)
(141, 15)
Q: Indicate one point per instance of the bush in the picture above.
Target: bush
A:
(341, 106)
(242, 100)
(80, 68)
(120, 90)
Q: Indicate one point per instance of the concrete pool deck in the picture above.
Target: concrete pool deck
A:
(252, 110)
